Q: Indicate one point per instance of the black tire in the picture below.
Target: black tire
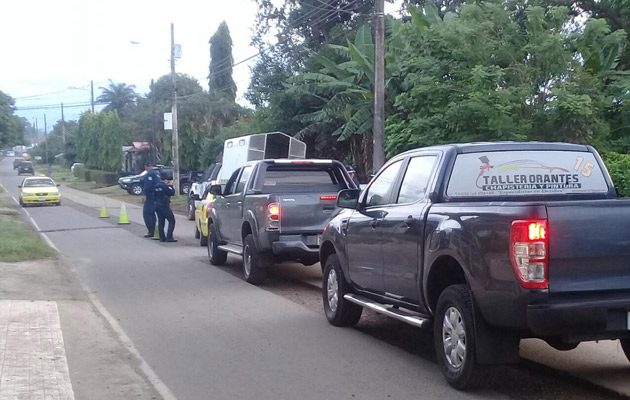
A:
(255, 263)
(191, 209)
(625, 346)
(203, 240)
(197, 233)
(468, 374)
(22, 203)
(185, 189)
(338, 310)
(58, 203)
(136, 189)
(215, 256)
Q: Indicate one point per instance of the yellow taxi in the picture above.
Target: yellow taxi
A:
(202, 212)
(39, 190)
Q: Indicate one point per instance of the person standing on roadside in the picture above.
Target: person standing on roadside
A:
(353, 175)
(148, 211)
(163, 192)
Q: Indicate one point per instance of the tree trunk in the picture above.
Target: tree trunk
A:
(361, 150)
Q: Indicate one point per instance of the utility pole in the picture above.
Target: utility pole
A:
(378, 151)
(46, 137)
(174, 111)
(92, 93)
(63, 126)
(36, 133)
(156, 139)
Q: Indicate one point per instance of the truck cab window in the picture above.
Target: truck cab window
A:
(230, 185)
(379, 192)
(416, 179)
(247, 171)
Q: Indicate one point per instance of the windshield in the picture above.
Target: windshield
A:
(38, 182)
(519, 173)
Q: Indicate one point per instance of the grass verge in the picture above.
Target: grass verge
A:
(18, 242)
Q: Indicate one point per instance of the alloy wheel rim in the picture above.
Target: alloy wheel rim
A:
(247, 261)
(332, 289)
(454, 337)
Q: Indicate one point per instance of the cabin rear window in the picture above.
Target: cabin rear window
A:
(523, 173)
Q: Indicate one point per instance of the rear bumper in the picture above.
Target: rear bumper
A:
(585, 318)
(297, 247)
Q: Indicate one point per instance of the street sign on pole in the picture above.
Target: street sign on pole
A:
(168, 121)
(178, 51)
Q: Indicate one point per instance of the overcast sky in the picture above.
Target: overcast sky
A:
(51, 46)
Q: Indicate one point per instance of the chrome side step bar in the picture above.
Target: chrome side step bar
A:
(408, 317)
(231, 248)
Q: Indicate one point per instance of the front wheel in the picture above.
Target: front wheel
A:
(215, 255)
(136, 189)
(191, 209)
(625, 346)
(255, 263)
(455, 341)
(338, 310)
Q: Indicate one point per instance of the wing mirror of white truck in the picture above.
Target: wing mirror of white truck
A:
(348, 198)
(215, 190)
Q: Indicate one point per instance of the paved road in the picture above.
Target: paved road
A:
(208, 334)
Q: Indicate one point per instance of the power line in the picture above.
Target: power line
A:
(57, 92)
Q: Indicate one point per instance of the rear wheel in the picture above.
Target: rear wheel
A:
(197, 233)
(215, 255)
(338, 310)
(203, 240)
(185, 188)
(255, 263)
(455, 341)
(625, 346)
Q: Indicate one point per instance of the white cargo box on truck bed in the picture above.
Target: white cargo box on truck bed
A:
(262, 146)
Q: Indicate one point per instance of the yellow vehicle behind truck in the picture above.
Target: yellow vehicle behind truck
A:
(201, 217)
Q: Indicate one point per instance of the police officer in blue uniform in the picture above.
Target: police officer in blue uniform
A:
(163, 193)
(148, 211)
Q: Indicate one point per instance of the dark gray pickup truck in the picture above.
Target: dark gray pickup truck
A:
(488, 243)
(274, 210)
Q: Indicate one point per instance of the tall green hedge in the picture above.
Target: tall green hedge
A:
(619, 167)
(100, 141)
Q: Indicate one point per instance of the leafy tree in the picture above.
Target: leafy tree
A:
(99, 141)
(490, 73)
(118, 97)
(221, 61)
(12, 127)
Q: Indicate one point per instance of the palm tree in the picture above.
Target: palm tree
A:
(117, 96)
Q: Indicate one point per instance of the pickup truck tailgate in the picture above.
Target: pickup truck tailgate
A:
(589, 245)
(306, 212)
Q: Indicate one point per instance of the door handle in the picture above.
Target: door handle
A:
(227, 203)
(410, 221)
(375, 223)
(239, 203)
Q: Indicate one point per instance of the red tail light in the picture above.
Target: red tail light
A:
(529, 249)
(273, 210)
(328, 197)
(208, 209)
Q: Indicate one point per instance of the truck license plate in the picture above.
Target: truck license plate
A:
(319, 242)
(41, 199)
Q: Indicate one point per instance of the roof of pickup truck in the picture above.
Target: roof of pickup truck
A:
(463, 148)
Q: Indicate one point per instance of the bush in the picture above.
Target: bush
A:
(619, 167)
(103, 178)
(77, 172)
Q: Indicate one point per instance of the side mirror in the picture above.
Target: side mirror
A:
(348, 198)
(19, 186)
(59, 184)
(215, 190)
